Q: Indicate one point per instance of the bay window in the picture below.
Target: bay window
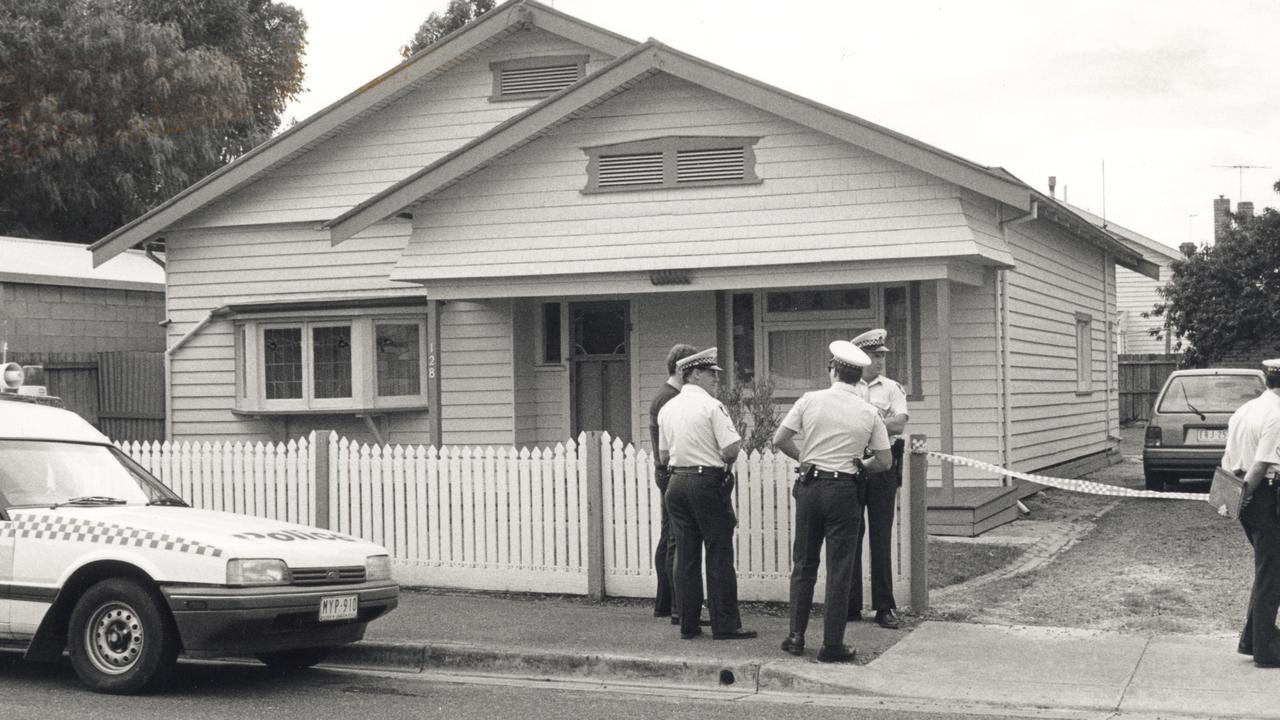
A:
(352, 362)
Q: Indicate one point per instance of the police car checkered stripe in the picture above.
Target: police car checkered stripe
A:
(52, 527)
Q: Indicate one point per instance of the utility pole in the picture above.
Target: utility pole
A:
(1240, 176)
(1189, 217)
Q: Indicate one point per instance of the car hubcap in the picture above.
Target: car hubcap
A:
(114, 638)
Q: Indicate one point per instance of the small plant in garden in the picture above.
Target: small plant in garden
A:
(750, 406)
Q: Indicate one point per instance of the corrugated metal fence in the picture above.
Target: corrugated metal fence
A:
(496, 518)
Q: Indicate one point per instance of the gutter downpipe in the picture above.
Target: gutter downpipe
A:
(168, 369)
(1033, 215)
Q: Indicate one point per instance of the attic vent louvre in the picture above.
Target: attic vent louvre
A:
(631, 169)
(710, 165)
(675, 161)
(537, 80)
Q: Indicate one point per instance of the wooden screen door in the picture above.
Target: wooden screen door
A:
(600, 366)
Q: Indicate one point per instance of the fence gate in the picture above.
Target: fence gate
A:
(1141, 377)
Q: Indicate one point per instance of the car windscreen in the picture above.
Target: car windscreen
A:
(36, 472)
(1209, 393)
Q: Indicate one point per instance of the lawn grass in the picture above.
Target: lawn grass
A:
(955, 562)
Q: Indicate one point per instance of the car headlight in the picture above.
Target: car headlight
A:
(257, 571)
(377, 567)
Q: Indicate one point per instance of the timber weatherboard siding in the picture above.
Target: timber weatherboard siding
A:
(1136, 294)
(1056, 277)
(821, 200)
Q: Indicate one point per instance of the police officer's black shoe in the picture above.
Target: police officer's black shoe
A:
(794, 644)
(690, 635)
(835, 654)
(888, 619)
(738, 634)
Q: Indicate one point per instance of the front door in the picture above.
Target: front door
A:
(600, 367)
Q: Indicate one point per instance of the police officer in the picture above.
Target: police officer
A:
(664, 554)
(835, 426)
(881, 489)
(697, 440)
(1253, 452)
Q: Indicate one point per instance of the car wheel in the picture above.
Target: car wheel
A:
(1155, 480)
(297, 659)
(122, 639)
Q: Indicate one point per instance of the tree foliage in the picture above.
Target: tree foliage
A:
(436, 26)
(751, 408)
(1226, 297)
(110, 107)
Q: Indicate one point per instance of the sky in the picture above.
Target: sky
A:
(1132, 104)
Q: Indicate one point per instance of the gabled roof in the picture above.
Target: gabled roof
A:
(654, 57)
(45, 262)
(1127, 253)
(1153, 250)
(507, 18)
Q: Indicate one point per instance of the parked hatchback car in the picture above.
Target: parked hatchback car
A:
(1188, 429)
(99, 558)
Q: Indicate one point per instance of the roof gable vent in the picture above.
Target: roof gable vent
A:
(631, 169)
(535, 77)
(722, 165)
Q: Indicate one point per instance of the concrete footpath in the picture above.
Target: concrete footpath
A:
(620, 642)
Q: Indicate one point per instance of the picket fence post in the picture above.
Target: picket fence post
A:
(320, 457)
(914, 500)
(590, 443)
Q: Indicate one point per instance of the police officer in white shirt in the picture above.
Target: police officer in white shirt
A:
(835, 427)
(1253, 452)
(697, 440)
(881, 489)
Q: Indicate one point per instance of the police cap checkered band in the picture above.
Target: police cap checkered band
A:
(704, 359)
(872, 340)
(1272, 366)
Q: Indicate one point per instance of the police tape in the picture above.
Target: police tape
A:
(1082, 486)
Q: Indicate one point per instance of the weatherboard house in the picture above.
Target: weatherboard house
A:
(496, 242)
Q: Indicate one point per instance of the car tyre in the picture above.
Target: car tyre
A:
(296, 659)
(122, 639)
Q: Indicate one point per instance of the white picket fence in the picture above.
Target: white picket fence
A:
(491, 518)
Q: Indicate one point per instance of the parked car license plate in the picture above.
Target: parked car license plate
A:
(1213, 436)
(339, 607)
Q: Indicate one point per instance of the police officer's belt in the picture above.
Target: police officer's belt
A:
(716, 473)
(832, 475)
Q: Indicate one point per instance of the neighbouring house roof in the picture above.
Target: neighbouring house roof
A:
(650, 58)
(45, 262)
(507, 18)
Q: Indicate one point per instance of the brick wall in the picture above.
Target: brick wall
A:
(54, 318)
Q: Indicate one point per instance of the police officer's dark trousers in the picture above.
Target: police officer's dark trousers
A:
(702, 516)
(1260, 637)
(664, 554)
(826, 511)
(880, 498)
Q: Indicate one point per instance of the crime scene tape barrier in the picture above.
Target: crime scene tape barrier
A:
(1084, 486)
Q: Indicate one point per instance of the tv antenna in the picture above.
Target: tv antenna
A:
(1240, 176)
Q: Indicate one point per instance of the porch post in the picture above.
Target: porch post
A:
(433, 371)
(945, 441)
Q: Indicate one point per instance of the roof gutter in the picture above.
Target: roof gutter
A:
(1029, 217)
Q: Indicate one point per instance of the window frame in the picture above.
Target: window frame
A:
(251, 378)
(669, 147)
(1084, 353)
(532, 63)
(766, 323)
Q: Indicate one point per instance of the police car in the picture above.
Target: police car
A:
(100, 559)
